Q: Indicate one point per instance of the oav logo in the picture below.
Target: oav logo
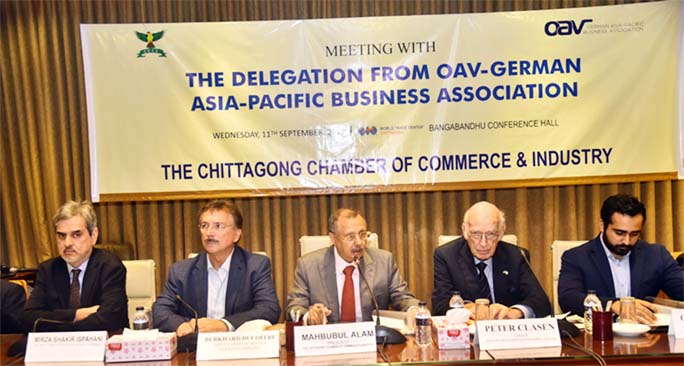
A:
(564, 27)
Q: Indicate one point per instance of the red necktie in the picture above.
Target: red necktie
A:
(75, 290)
(348, 309)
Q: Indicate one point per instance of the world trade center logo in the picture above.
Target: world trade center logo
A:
(150, 38)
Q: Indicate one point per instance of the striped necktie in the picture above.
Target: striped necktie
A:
(75, 290)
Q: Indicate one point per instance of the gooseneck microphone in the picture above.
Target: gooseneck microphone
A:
(565, 328)
(39, 321)
(188, 342)
(383, 334)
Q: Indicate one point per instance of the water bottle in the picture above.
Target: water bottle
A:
(456, 301)
(590, 302)
(141, 321)
(423, 325)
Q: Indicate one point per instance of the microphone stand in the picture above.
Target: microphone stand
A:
(49, 321)
(383, 334)
(565, 328)
(188, 342)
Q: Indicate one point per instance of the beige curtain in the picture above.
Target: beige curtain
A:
(45, 160)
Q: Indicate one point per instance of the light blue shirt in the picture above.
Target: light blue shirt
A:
(83, 268)
(217, 284)
(619, 268)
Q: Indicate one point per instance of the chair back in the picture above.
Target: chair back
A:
(309, 243)
(140, 285)
(122, 250)
(24, 285)
(558, 247)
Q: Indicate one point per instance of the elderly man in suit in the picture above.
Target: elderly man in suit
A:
(225, 284)
(85, 287)
(480, 265)
(327, 284)
(617, 263)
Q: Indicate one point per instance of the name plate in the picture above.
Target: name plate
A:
(676, 323)
(331, 339)
(518, 333)
(240, 345)
(66, 346)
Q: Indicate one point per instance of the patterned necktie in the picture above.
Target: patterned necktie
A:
(75, 290)
(482, 283)
(348, 314)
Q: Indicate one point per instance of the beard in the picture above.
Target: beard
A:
(619, 249)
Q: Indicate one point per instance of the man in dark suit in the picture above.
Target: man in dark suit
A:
(617, 263)
(226, 284)
(318, 292)
(480, 265)
(12, 300)
(85, 287)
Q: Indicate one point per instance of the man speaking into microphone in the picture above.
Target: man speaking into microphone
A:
(480, 265)
(327, 286)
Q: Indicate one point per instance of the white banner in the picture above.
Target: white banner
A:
(355, 104)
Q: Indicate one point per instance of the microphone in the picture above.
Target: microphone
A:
(383, 334)
(188, 342)
(565, 328)
(38, 321)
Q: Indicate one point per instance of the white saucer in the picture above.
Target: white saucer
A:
(630, 330)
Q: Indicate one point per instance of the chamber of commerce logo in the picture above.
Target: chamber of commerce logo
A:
(368, 130)
(150, 38)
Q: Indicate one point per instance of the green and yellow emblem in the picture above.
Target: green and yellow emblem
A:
(150, 38)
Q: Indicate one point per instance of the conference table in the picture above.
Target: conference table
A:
(651, 348)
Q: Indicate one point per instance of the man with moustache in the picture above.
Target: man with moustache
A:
(85, 287)
(327, 285)
(225, 284)
(480, 265)
(617, 263)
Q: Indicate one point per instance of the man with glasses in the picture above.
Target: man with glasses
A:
(327, 285)
(225, 284)
(480, 265)
(617, 263)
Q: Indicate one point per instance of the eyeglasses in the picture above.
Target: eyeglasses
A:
(362, 235)
(217, 226)
(489, 235)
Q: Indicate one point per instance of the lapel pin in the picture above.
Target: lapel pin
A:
(505, 272)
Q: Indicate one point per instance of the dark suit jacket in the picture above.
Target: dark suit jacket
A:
(250, 293)
(12, 299)
(104, 284)
(316, 282)
(514, 282)
(586, 268)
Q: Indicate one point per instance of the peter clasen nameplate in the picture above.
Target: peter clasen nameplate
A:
(66, 347)
(518, 333)
(331, 339)
(238, 345)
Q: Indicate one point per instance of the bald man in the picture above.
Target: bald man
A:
(480, 265)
